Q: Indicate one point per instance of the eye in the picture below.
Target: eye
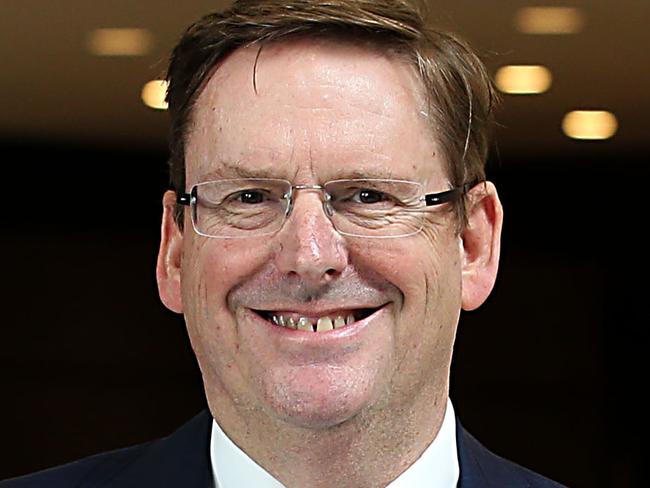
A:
(369, 196)
(251, 196)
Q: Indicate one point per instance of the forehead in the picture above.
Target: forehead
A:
(311, 109)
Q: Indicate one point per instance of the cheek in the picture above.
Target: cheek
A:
(212, 268)
(426, 269)
(216, 266)
(441, 295)
(440, 263)
(418, 265)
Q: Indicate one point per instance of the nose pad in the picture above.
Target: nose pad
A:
(288, 206)
(193, 204)
(327, 208)
(327, 205)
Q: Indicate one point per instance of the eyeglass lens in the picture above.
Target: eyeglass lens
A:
(365, 208)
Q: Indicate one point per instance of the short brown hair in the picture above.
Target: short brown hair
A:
(459, 92)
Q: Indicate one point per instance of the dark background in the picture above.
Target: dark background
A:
(547, 372)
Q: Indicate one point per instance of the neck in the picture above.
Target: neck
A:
(370, 449)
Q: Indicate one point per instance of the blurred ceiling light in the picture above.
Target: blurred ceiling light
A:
(120, 42)
(153, 94)
(549, 20)
(590, 124)
(523, 79)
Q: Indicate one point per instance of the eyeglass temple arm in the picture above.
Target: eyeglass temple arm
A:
(184, 198)
(429, 199)
(447, 196)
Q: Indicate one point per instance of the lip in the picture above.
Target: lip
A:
(318, 311)
(327, 337)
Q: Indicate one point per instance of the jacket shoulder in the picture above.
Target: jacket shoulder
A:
(76, 473)
(480, 467)
(181, 459)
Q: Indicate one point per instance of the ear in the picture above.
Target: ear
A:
(170, 254)
(481, 244)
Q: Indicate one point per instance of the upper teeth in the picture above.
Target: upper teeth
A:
(305, 323)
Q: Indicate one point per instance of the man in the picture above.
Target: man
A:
(330, 220)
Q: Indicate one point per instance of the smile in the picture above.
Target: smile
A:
(316, 323)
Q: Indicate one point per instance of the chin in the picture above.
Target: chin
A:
(319, 397)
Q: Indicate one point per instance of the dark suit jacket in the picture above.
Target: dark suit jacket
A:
(183, 460)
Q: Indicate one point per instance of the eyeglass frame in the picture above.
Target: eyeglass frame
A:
(430, 199)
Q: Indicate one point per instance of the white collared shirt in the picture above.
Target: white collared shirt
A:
(437, 467)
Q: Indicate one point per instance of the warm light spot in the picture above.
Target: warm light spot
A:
(120, 42)
(153, 94)
(523, 79)
(549, 20)
(590, 124)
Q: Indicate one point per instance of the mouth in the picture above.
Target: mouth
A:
(321, 322)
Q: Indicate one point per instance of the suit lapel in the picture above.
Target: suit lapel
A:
(471, 475)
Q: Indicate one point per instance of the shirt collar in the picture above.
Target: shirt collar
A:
(437, 467)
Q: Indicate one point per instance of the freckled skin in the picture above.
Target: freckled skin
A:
(321, 111)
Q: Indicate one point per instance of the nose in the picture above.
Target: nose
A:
(308, 245)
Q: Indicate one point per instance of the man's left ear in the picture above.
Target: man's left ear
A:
(481, 244)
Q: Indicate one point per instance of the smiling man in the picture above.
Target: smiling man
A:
(330, 219)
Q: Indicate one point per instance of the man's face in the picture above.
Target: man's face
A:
(322, 111)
